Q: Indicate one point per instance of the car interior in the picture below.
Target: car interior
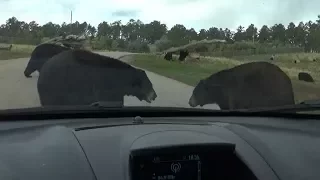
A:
(210, 147)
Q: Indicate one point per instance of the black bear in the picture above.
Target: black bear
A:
(40, 55)
(303, 76)
(183, 55)
(250, 85)
(80, 77)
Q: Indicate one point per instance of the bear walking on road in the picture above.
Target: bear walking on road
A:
(250, 85)
(40, 55)
(80, 77)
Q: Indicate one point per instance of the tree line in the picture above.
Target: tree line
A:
(137, 36)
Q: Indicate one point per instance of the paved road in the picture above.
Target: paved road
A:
(16, 91)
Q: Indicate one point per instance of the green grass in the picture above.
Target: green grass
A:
(17, 51)
(187, 73)
(191, 72)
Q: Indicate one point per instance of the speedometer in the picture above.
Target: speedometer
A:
(205, 162)
(175, 168)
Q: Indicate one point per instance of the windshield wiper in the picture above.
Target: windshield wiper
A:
(308, 105)
(103, 110)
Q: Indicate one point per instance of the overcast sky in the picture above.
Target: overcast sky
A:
(191, 13)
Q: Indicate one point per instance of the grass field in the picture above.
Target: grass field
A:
(190, 73)
(17, 51)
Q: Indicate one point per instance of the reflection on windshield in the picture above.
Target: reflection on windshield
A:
(154, 64)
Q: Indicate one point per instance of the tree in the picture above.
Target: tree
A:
(202, 34)
(154, 31)
(214, 33)
(239, 35)
(104, 29)
(178, 35)
(264, 34)
(300, 34)
(251, 33)
(118, 35)
(116, 30)
(278, 33)
(290, 33)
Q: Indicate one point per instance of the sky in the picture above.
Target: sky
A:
(195, 14)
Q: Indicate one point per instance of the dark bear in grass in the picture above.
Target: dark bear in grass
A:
(168, 56)
(40, 55)
(183, 55)
(251, 85)
(303, 76)
(80, 77)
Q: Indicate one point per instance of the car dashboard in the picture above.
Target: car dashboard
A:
(160, 149)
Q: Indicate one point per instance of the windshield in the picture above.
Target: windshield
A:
(197, 54)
